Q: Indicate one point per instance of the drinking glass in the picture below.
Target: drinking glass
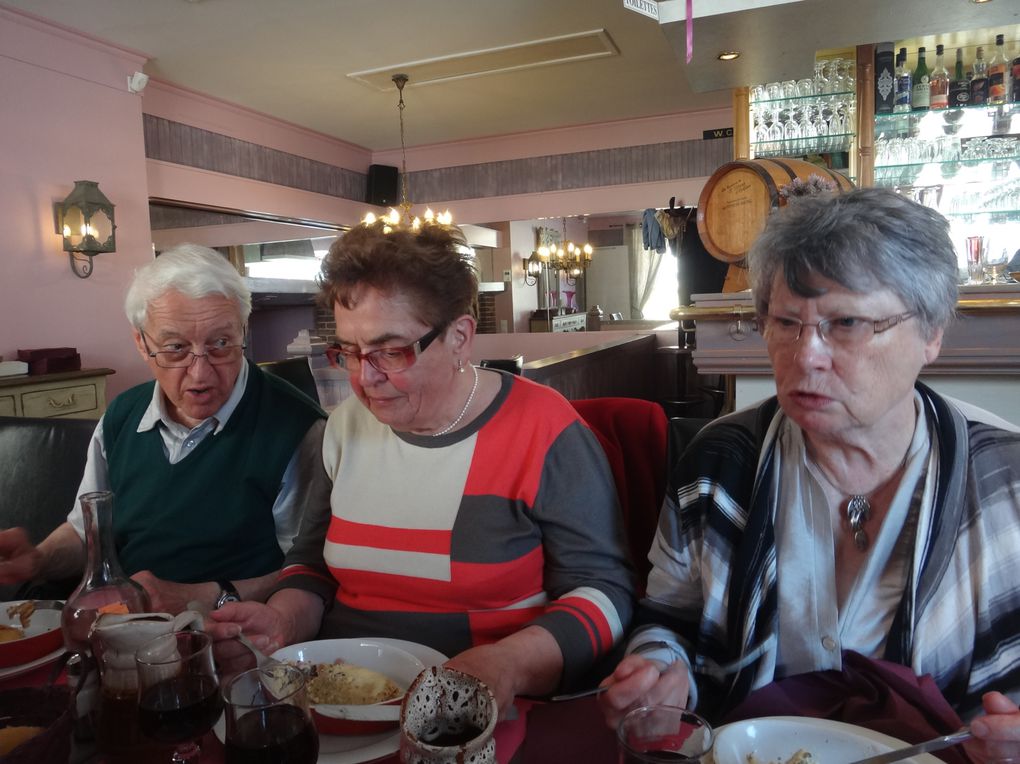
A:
(178, 691)
(994, 265)
(267, 718)
(659, 734)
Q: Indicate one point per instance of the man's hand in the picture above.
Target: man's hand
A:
(290, 616)
(638, 682)
(19, 559)
(996, 732)
(265, 626)
(169, 597)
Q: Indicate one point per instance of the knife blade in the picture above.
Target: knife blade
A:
(935, 744)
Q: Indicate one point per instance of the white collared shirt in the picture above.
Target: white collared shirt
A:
(814, 626)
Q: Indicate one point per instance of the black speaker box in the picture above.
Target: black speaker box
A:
(382, 185)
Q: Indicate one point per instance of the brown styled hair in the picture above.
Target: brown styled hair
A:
(432, 267)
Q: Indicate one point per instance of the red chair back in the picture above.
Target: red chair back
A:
(632, 432)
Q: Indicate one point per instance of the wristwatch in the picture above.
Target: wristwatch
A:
(228, 593)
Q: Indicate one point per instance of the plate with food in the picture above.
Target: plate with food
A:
(802, 740)
(30, 635)
(350, 748)
(355, 686)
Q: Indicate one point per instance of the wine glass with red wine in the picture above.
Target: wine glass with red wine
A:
(267, 718)
(178, 691)
(663, 734)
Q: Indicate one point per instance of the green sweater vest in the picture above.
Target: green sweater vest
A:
(209, 516)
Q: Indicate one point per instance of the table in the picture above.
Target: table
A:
(556, 732)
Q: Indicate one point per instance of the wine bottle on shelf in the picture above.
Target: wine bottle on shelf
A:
(939, 80)
(959, 87)
(1015, 91)
(885, 78)
(979, 80)
(997, 66)
(901, 101)
(920, 95)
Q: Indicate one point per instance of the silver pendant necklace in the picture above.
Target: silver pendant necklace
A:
(463, 411)
(858, 511)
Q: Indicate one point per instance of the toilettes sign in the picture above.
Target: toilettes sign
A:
(648, 8)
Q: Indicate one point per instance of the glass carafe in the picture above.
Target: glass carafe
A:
(104, 588)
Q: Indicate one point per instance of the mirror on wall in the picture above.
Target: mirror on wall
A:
(625, 278)
(263, 246)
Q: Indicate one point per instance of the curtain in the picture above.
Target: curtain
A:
(643, 266)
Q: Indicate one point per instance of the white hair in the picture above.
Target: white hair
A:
(192, 270)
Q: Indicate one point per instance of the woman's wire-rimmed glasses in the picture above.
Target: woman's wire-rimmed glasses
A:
(386, 360)
(178, 356)
(842, 331)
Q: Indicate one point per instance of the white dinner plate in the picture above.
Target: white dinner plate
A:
(774, 739)
(360, 749)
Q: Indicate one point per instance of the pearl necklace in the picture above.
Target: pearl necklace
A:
(463, 411)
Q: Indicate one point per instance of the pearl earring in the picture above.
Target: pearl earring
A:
(460, 366)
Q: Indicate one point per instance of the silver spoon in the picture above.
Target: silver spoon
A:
(581, 694)
(936, 744)
(261, 659)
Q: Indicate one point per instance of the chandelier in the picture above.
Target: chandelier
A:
(400, 216)
(562, 256)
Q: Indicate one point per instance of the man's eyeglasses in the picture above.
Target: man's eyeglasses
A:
(386, 360)
(843, 331)
(177, 355)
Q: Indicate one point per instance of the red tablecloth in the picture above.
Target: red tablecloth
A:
(554, 730)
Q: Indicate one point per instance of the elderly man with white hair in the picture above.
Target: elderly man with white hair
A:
(211, 463)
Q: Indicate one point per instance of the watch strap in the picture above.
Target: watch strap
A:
(228, 593)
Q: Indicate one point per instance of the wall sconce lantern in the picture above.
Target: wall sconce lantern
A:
(85, 220)
(533, 267)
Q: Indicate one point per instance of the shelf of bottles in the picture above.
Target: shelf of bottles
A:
(815, 115)
(959, 151)
(964, 162)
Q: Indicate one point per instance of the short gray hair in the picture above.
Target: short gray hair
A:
(866, 239)
(192, 270)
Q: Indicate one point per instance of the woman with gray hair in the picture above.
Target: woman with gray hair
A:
(857, 510)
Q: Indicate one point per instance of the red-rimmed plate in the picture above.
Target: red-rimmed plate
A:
(399, 665)
(358, 749)
(42, 636)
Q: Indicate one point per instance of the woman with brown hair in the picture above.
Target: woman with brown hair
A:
(471, 510)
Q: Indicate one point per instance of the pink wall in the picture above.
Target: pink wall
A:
(67, 115)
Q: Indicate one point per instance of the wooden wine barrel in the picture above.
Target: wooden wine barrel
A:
(738, 198)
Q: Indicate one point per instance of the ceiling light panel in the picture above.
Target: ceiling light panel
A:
(527, 55)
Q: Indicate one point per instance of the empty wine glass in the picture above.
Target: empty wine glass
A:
(178, 691)
(267, 717)
(994, 262)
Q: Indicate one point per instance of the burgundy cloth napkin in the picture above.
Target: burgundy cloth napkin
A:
(882, 696)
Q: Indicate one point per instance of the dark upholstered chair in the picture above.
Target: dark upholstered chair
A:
(297, 372)
(682, 430)
(633, 435)
(513, 365)
(41, 464)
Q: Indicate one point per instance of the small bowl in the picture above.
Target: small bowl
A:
(42, 636)
(400, 666)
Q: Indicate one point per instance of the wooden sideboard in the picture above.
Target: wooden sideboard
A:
(568, 322)
(70, 394)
